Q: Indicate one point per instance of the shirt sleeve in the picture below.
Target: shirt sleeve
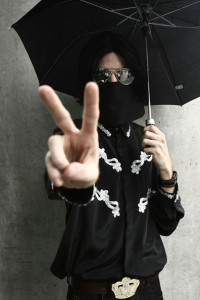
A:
(166, 208)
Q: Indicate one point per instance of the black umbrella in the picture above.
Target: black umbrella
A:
(166, 33)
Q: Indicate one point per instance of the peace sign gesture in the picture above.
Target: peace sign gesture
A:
(72, 160)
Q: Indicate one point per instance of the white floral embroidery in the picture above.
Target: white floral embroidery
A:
(116, 165)
(103, 195)
(144, 201)
(106, 131)
(137, 164)
(128, 132)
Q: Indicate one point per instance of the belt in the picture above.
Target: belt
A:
(121, 289)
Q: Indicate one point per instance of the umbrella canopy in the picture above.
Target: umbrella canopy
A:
(54, 33)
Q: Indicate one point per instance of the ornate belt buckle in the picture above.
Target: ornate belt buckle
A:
(125, 288)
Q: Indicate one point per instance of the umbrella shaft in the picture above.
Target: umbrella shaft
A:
(148, 81)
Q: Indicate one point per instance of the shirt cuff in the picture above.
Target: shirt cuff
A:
(175, 198)
(79, 197)
(166, 194)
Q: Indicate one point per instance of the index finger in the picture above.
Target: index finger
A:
(91, 108)
(58, 111)
(153, 128)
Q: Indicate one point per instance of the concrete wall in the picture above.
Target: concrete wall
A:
(31, 225)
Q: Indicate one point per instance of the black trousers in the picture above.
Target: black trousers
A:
(152, 291)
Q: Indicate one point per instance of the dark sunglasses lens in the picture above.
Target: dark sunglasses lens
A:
(101, 75)
(124, 76)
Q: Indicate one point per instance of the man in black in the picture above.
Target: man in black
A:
(116, 179)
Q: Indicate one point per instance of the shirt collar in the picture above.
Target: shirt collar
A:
(124, 129)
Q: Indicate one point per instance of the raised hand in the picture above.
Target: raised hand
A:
(72, 160)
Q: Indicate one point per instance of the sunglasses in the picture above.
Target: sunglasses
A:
(123, 75)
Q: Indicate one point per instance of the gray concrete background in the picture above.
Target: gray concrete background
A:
(31, 226)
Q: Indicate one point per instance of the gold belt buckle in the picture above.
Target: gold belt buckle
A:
(125, 288)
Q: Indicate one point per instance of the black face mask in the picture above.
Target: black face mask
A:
(119, 104)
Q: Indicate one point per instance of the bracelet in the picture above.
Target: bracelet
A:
(169, 183)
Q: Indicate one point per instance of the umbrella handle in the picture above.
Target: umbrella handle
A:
(150, 121)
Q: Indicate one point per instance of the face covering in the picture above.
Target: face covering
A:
(119, 104)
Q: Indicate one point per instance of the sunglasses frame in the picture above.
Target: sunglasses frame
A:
(114, 71)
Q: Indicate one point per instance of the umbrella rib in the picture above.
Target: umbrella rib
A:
(182, 20)
(171, 12)
(108, 10)
(174, 26)
(155, 5)
(154, 8)
(127, 19)
(138, 9)
(138, 20)
(60, 55)
(170, 81)
(164, 18)
(172, 1)
(134, 28)
(124, 8)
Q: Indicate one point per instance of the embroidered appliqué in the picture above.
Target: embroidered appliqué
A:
(106, 131)
(137, 164)
(129, 131)
(103, 195)
(116, 165)
(144, 201)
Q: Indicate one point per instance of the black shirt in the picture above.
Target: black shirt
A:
(113, 229)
